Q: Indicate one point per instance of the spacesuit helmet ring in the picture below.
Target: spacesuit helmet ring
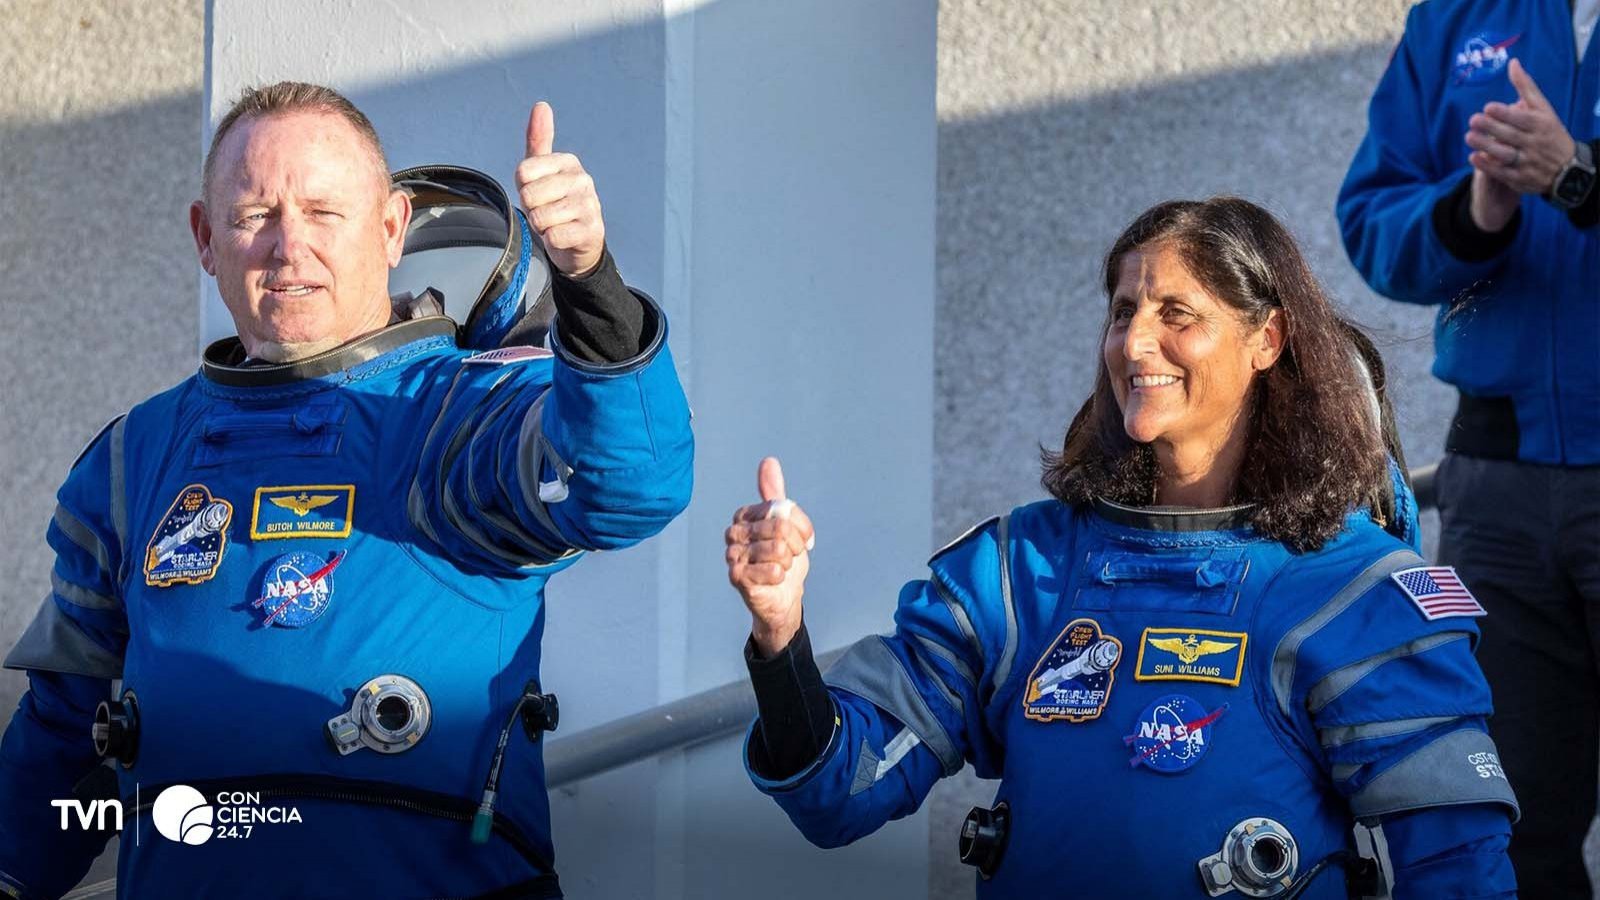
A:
(473, 248)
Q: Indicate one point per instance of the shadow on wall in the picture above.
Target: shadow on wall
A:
(98, 301)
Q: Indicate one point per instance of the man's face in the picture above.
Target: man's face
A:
(300, 229)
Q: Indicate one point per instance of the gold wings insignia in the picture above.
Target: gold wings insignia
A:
(1207, 648)
(1190, 650)
(303, 504)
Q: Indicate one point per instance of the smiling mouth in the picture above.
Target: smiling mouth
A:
(1149, 381)
(294, 290)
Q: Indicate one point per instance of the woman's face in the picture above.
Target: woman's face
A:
(1180, 360)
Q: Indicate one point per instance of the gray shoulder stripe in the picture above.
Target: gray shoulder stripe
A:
(532, 448)
(951, 698)
(1003, 670)
(1287, 652)
(416, 504)
(959, 613)
(1344, 678)
(1344, 771)
(81, 596)
(417, 512)
(117, 489)
(949, 656)
(961, 537)
(86, 540)
(870, 671)
(1340, 735)
(464, 526)
(1461, 767)
(55, 643)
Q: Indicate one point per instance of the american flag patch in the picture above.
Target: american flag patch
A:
(506, 355)
(1438, 592)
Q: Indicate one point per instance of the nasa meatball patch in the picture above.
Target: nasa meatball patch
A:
(187, 546)
(297, 589)
(1173, 734)
(1073, 680)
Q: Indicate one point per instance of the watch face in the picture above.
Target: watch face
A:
(1574, 186)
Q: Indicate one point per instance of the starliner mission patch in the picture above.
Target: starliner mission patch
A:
(188, 544)
(1073, 679)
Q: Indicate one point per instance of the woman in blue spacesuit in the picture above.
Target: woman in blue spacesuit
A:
(1206, 664)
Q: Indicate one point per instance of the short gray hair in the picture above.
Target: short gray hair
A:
(289, 97)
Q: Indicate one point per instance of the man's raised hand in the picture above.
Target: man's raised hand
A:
(768, 558)
(560, 200)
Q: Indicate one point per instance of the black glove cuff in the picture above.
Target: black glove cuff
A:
(796, 712)
(600, 320)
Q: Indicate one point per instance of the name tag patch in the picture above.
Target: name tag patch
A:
(1191, 654)
(1073, 680)
(302, 510)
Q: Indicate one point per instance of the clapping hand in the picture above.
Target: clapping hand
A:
(1519, 147)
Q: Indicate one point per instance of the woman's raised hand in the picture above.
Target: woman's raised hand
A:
(768, 556)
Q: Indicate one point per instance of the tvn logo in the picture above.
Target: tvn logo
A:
(183, 814)
(91, 815)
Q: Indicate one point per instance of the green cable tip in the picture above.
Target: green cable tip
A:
(482, 824)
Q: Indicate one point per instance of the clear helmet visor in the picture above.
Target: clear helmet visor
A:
(475, 253)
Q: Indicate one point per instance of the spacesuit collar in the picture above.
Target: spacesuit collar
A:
(1176, 518)
(224, 360)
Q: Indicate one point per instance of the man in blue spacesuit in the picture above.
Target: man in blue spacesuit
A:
(1475, 191)
(317, 566)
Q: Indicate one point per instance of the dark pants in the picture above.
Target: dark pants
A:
(1526, 540)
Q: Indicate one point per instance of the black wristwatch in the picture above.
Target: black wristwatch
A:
(1575, 180)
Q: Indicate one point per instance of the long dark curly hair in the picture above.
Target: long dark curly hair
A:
(1315, 449)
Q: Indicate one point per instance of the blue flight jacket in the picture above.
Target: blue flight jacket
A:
(1143, 681)
(392, 507)
(1526, 323)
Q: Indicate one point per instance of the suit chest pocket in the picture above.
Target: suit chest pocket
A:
(313, 428)
(1118, 581)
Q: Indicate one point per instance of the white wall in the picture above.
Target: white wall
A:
(767, 172)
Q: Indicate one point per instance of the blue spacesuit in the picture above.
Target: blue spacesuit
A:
(1171, 700)
(322, 584)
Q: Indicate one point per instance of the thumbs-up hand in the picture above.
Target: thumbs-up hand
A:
(768, 557)
(1524, 145)
(559, 198)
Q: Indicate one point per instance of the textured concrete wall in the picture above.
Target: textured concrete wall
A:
(1059, 122)
(99, 157)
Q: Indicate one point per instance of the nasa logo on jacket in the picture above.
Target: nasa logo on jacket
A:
(1482, 57)
(1173, 734)
(296, 589)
